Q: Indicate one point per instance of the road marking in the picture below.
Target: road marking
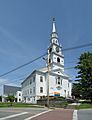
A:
(10, 111)
(29, 118)
(75, 117)
(15, 115)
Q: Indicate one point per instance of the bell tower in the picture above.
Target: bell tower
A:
(55, 56)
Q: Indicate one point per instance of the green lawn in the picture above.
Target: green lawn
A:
(8, 104)
(84, 106)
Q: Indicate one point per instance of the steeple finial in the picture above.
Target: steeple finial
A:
(53, 19)
(54, 25)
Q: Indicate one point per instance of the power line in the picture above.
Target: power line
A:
(14, 81)
(71, 62)
(77, 47)
(22, 65)
(69, 68)
(66, 49)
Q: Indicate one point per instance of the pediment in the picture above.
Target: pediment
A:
(59, 72)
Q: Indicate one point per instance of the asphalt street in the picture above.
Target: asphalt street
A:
(19, 113)
(43, 114)
(85, 114)
(35, 114)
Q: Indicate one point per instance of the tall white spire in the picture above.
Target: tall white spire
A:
(54, 35)
(54, 25)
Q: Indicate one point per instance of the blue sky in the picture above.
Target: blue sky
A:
(25, 27)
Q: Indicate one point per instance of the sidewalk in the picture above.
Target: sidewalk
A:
(58, 114)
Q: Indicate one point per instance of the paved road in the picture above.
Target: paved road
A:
(34, 114)
(19, 113)
(85, 114)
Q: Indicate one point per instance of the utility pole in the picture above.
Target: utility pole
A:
(48, 72)
(48, 66)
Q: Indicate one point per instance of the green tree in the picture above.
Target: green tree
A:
(84, 68)
(76, 90)
(10, 98)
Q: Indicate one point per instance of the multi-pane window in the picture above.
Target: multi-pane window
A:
(65, 92)
(30, 91)
(27, 92)
(61, 82)
(33, 78)
(68, 84)
(30, 81)
(41, 89)
(28, 99)
(58, 81)
(41, 79)
(34, 98)
(33, 90)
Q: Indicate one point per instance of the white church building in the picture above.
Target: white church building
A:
(50, 80)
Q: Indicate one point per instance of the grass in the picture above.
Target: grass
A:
(84, 106)
(8, 104)
(21, 105)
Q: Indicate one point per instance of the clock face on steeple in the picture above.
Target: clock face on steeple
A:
(57, 49)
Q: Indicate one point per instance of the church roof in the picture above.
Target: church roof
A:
(55, 70)
(43, 69)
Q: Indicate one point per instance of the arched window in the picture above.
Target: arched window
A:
(58, 60)
(49, 60)
(59, 80)
(50, 50)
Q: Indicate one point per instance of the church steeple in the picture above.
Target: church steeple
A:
(54, 35)
(55, 56)
(54, 25)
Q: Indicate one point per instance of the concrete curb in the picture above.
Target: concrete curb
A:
(75, 116)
